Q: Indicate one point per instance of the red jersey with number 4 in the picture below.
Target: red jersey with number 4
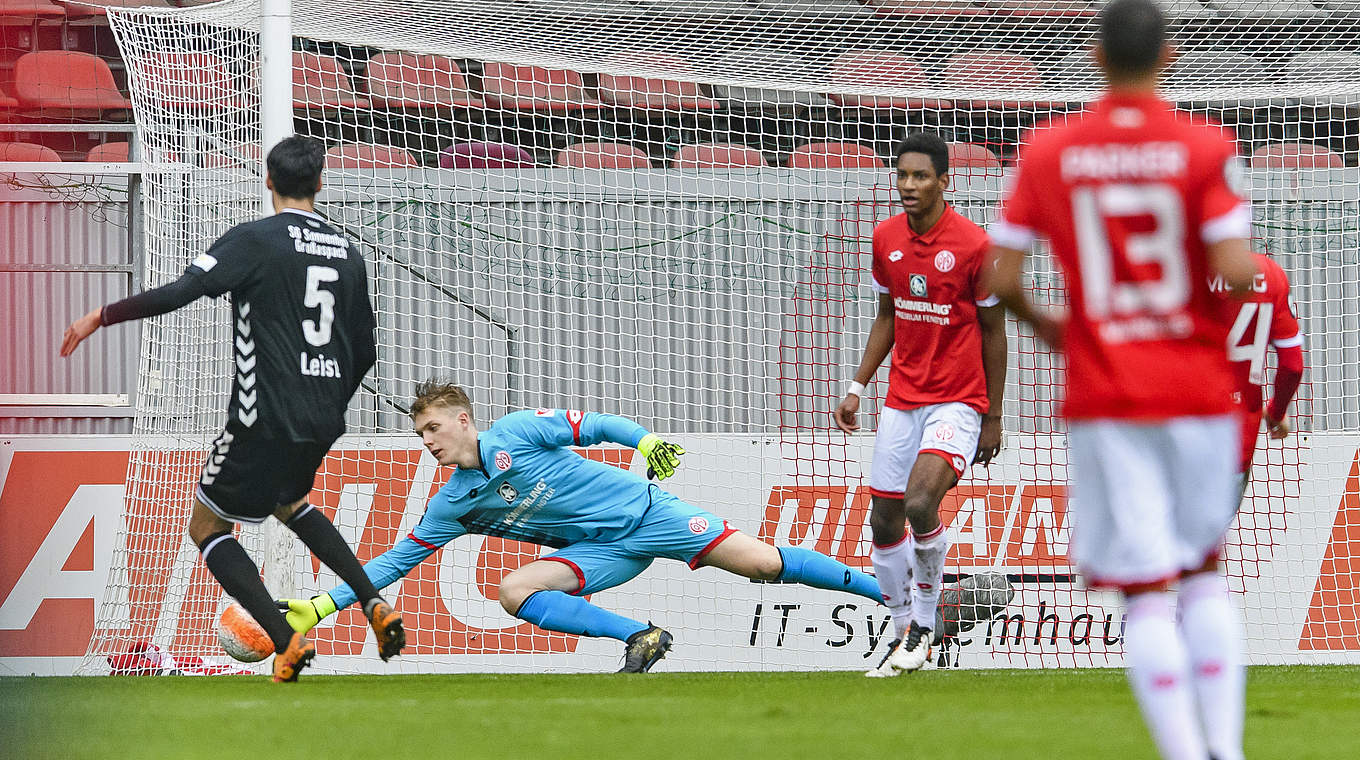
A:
(1263, 318)
(934, 280)
(1130, 194)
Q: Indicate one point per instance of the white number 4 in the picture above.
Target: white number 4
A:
(318, 333)
(1255, 351)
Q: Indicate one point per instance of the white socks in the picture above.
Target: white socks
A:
(1159, 672)
(892, 567)
(927, 567)
(1210, 628)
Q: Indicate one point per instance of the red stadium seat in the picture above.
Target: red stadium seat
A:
(407, 80)
(534, 88)
(25, 12)
(973, 158)
(875, 68)
(67, 82)
(603, 155)
(834, 155)
(717, 156)
(1295, 156)
(1063, 8)
(992, 70)
(485, 155)
(366, 156)
(319, 82)
(108, 153)
(193, 81)
(643, 93)
(21, 151)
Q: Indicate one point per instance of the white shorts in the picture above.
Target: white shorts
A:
(947, 430)
(1150, 500)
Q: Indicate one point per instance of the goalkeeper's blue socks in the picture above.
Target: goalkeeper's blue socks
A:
(820, 571)
(558, 611)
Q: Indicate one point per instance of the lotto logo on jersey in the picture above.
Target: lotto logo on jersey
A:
(944, 261)
(503, 460)
(918, 285)
(895, 256)
(545, 412)
(697, 525)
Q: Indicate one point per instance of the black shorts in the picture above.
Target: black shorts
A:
(246, 479)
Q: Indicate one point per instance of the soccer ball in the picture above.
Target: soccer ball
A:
(241, 636)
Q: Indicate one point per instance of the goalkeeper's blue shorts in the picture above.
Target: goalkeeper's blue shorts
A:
(671, 529)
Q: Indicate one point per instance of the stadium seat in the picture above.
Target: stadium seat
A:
(108, 153)
(643, 93)
(66, 81)
(25, 12)
(766, 64)
(834, 155)
(22, 151)
(193, 81)
(407, 80)
(991, 70)
(366, 156)
(1269, 8)
(717, 156)
(1076, 71)
(1047, 8)
(534, 88)
(319, 82)
(1295, 156)
(971, 158)
(880, 68)
(485, 155)
(603, 155)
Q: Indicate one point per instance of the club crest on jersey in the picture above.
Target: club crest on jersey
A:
(944, 432)
(508, 493)
(697, 525)
(895, 256)
(918, 285)
(503, 460)
(944, 261)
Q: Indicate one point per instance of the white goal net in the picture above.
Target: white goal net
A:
(663, 210)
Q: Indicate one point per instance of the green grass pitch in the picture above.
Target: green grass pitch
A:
(1292, 712)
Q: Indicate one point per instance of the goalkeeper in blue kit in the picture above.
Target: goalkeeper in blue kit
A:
(520, 481)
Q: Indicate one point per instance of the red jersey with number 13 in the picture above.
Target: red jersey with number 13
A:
(1129, 195)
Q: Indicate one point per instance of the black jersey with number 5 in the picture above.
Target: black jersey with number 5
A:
(302, 324)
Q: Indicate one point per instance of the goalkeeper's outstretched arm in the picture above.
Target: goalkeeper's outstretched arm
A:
(554, 428)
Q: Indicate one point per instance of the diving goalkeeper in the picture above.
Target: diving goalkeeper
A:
(518, 480)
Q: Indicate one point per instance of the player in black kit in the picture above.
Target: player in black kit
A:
(302, 341)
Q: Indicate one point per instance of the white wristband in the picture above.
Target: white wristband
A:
(855, 389)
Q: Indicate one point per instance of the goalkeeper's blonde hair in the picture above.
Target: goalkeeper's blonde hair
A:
(439, 393)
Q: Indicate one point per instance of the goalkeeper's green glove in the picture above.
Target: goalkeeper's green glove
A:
(304, 614)
(662, 457)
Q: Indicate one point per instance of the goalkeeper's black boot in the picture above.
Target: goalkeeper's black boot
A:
(644, 648)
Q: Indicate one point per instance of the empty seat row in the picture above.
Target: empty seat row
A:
(963, 157)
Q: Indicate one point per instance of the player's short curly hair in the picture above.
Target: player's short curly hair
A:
(439, 393)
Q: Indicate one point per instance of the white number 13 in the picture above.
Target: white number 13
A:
(1105, 298)
(318, 333)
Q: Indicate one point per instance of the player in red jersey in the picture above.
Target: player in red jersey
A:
(1264, 318)
(1142, 206)
(947, 336)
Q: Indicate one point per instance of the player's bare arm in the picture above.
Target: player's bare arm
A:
(80, 330)
(1004, 281)
(1232, 260)
(992, 319)
(876, 349)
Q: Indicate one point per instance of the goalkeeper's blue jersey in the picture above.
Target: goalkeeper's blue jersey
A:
(530, 487)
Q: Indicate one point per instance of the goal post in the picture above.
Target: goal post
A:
(663, 210)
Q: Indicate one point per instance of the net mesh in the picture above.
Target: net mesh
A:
(663, 210)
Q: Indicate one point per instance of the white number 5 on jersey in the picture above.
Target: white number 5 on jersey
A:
(318, 333)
